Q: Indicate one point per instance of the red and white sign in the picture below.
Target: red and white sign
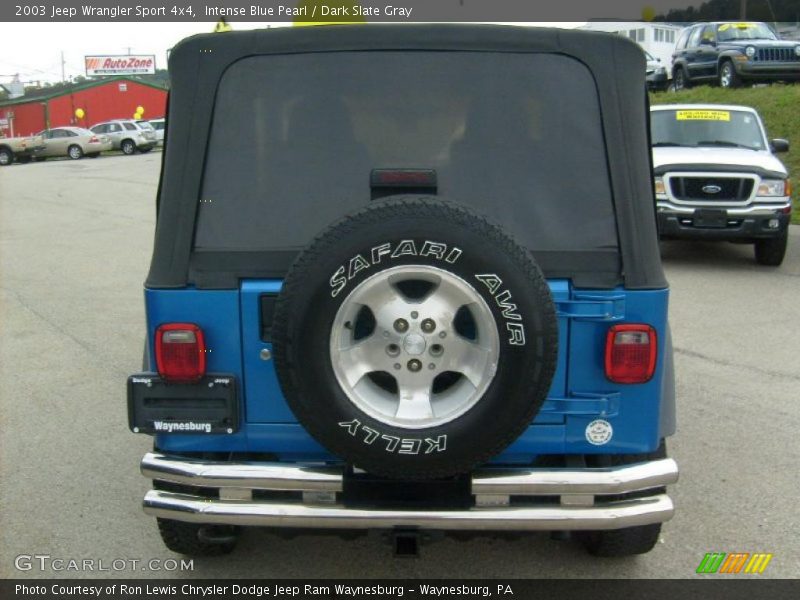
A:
(138, 64)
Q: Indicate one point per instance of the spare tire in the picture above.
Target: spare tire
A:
(415, 339)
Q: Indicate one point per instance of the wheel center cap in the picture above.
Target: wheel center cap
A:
(414, 344)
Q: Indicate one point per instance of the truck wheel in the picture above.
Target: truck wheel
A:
(128, 147)
(414, 339)
(193, 539)
(680, 80)
(728, 77)
(770, 252)
(75, 152)
(6, 157)
(629, 540)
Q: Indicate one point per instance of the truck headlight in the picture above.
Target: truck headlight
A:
(661, 191)
(772, 188)
(750, 51)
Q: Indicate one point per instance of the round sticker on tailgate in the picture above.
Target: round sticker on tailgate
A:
(599, 432)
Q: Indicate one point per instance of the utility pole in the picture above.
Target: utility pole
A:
(743, 9)
(63, 78)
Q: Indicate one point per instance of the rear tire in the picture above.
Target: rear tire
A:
(75, 152)
(127, 147)
(192, 539)
(770, 252)
(629, 540)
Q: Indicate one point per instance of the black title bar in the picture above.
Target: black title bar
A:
(364, 10)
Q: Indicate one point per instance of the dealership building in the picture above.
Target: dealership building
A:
(100, 100)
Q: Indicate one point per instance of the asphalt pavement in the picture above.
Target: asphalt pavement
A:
(75, 242)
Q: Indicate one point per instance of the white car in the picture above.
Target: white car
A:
(128, 135)
(717, 177)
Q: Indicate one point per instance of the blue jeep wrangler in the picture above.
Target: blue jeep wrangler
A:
(407, 278)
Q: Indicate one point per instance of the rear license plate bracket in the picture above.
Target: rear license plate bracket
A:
(210, 405)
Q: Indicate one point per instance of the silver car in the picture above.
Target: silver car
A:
(74, 142)
(159, 125)
(128, 135)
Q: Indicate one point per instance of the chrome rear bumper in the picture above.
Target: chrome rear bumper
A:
(580, 493)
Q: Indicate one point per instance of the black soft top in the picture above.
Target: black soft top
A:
(198, 63)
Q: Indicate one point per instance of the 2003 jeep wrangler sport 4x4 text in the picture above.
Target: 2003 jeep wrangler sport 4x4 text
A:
(427, 297)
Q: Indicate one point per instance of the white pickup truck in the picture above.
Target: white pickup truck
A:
(20, 149)
(717, 178)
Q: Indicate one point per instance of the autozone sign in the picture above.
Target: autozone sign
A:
(140, 64)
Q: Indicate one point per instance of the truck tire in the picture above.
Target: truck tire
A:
(629, 540)
(414, 338)
(680, 79)
(728, 77)
(6, 157)
(770, 252)
(193, 539)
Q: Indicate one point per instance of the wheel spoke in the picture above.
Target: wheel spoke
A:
(415, 398)
(361, 358)
(378, 296)
(469, 358)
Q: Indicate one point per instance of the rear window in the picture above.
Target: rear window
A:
(295, 137)
(129, 126)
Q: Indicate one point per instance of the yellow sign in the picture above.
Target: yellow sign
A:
(726, 26)
(222, 26)
(702, 115)
(79, 112)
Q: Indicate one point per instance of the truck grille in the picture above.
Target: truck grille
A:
(775, 55)
(712, 189)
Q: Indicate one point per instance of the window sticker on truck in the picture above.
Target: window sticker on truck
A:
(702, 115)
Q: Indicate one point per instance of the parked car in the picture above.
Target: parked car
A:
(159, 125)
(436, 310)
(127, 135)
(717, 178)
(19, 149)
(657, 77)
(74, 142)
(733, 53)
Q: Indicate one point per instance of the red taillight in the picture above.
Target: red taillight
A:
(180, 352)
(93, 139)
(630, 353)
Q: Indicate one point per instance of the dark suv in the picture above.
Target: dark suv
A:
(732, 53)
(428, 297)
